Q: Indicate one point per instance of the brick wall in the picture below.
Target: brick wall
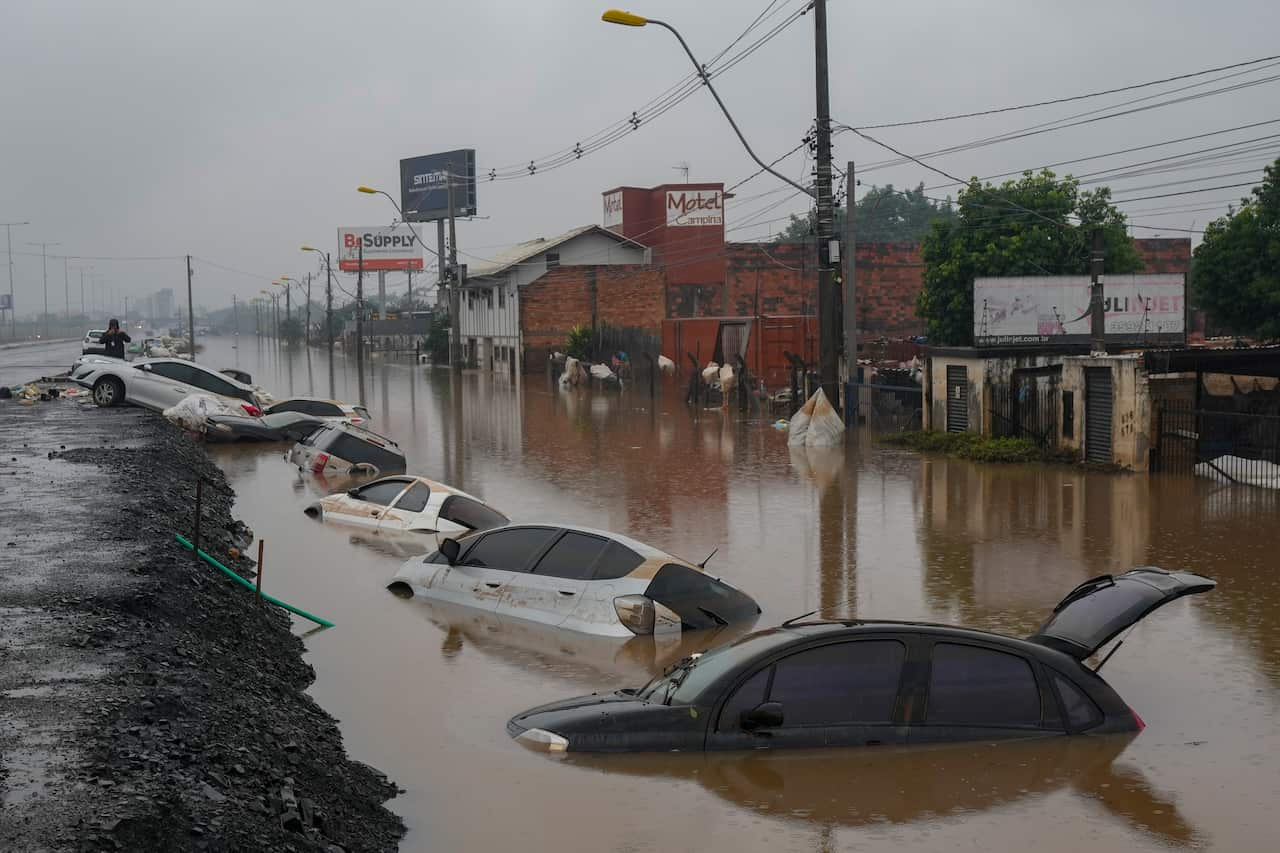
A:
(627, 297)
(1165, 254)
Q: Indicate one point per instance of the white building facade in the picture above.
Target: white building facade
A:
(489, 310)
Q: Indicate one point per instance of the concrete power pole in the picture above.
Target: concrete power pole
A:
(850, 299)
(235, 314)
(360, 321)
(307, 329)
(1097, 307)
(328, 308)
(191, 314)
(455, 285)
(829, 322)
(13, 305)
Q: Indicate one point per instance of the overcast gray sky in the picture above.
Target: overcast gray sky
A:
(236, 131)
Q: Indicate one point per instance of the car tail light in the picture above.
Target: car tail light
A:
(252, 410)
(355, 420)
(543, 740)
(1138, 720)
(322, 459)
(635, 612)
(642, 615)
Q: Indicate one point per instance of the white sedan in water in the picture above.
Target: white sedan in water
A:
(577, 579)
(160, 383)
(406, 504)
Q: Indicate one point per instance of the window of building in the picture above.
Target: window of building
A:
(488, 298)
(502, 297)
(553, 259)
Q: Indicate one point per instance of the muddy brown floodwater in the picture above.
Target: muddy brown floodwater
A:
(424, 694)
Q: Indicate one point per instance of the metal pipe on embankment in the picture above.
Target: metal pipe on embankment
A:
(186, 543)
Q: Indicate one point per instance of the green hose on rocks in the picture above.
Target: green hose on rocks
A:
(186, 543)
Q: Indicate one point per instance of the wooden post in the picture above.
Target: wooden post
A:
(195, 537)
(258, 579)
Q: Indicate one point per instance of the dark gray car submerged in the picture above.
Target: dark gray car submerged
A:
(864, 683)
(281, 426)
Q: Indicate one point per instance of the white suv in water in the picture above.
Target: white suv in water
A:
(575, 578)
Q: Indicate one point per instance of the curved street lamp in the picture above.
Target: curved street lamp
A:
(328, 299)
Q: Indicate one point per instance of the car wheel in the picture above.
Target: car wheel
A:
(108, 391)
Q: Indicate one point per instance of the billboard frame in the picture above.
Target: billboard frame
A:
(424, 186)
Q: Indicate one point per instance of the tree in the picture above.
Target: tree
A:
(1022, 227)
(1236, 275)
(883, 215)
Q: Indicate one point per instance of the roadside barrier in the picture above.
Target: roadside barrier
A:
(186, 543)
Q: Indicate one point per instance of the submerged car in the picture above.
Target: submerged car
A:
(159, 383)
(862, 683)
(409, 505)
(329, 410)
(578, 579)
(341, 448)
(282, 426)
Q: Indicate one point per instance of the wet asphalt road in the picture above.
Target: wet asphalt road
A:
(31, 361)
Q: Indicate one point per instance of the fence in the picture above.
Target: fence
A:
(1026, 410)
(1232, 447)
(890, 408)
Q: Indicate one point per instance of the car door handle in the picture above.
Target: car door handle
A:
(492, 585)
(373, 512)
(568, 592)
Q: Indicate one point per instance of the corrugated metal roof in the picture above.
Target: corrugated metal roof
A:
(522, 252)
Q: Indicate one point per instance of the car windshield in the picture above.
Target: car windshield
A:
(685, 681)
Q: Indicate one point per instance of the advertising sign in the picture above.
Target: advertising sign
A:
(613, 209)
(687, 208)
(6, 301)
(1036, 310)
(424, 185)
(384, 249)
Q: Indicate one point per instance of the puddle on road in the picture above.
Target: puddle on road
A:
(424, 692)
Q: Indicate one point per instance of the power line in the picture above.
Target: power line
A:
(1065, 100)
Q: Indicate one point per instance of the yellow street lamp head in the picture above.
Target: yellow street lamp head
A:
(626, 19)
(369, 190)
(308, 249)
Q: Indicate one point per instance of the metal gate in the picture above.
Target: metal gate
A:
(1097, 414)
(957, 398)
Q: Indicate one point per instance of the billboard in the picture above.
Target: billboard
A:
(1049, 310)
(384, 249)
(686, 208)
(424, 185)
(613, 209)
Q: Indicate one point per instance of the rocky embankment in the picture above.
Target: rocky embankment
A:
(147, 703)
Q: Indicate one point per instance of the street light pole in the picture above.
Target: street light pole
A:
(360, 321)
(13, 305)
(191, 314)
(829, 319)
(44, 268)
(328, 300)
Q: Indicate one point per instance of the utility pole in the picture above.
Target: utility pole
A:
(288, 306)
(13, 305)
(235, 314)
(306, 331)
(82, 311)
(829, 324)
(455, 284)
(191, 314)
(409, 297)
(360, 320)
(382, 294)
(328, 308)
(44, 269)
(850, 299)
(257, 316)
(66, 288)
(1097, 307)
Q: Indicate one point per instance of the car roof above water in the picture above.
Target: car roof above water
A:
(647, 551)
(821, 628)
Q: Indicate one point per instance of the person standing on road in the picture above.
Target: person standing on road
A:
(113, 340)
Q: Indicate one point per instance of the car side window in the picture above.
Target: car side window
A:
(415, 500)
(169, 370)
(289, 406)
(618, 561)
(974, 686)
(381, 493)
(472, 515)
(1081, 712)
(571, 557)
(510, 550)
(841, 683)
(748, 695)
(323, 410)
(213, 384)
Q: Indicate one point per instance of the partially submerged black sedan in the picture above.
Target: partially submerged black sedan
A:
(860, 683)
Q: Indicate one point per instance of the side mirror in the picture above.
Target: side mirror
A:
(450, 548)
(353, 493)
(767, 715)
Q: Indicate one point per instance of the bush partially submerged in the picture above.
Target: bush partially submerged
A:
(970, 445)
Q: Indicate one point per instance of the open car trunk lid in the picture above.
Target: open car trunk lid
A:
(1100, 608)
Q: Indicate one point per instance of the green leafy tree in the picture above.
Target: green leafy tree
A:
(1236, 274)
(1037, 225)
(883, 215)
(578, 343)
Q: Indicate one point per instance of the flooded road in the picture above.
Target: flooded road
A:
(424, 693)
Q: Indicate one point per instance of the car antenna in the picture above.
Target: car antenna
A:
(794, 619)
(707, 559)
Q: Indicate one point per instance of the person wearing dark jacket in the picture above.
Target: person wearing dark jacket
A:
(113, 340)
